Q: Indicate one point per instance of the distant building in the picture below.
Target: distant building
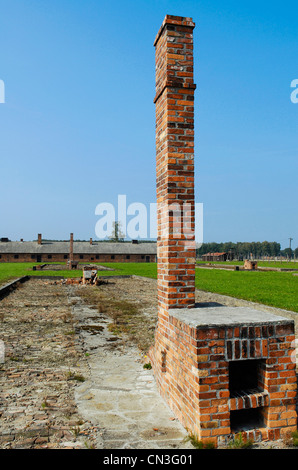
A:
(43, 251)
(215, 257)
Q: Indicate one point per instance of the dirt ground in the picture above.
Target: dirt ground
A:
(45, 361)
(38, 376)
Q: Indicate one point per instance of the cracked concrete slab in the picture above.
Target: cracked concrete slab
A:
(119, 395)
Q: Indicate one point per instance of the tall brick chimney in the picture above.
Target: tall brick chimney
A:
(71, 249)
(91, 241)
(220, 369)
(174, 101)
(39, 239)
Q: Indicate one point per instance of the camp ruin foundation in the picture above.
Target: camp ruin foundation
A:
(221, 370)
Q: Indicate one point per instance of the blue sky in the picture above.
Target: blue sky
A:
(78, 122)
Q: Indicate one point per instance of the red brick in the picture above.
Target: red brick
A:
(196, 383)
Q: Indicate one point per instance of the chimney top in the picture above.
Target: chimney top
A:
(39, 239)
(171, 20)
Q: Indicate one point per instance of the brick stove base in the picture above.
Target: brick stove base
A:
(226, 370)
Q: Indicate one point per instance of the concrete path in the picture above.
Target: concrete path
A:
(119, 395)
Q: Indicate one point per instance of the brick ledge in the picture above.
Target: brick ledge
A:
(246, 399)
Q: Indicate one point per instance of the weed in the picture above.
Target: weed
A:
(88, 445)
(147, 365)
(239, 443)
(76, 430)
(199, 444)
(77, 377)
(295, 438)
(113, 328)
(44, 403)
(209, 445)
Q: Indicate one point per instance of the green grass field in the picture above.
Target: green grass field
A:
(9, 271)
(278, 289)
(13, 270)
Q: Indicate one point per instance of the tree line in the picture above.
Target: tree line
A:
(245, 249)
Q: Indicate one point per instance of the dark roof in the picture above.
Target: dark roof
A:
(48, 247)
